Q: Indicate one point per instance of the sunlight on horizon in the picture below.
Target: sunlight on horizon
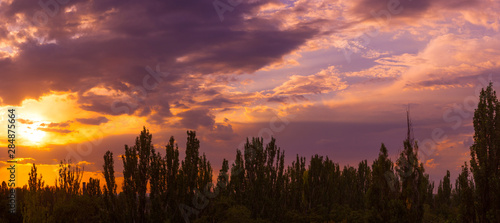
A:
(33, 136)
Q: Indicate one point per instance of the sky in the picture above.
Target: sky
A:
(333, 78)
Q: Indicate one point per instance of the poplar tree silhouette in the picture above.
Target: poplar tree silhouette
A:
(485, 155)
(413, 181)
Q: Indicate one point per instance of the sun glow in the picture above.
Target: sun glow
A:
(33, 135)
(29, 132)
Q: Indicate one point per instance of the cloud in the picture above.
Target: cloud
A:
(86, 163)
(454, 61)
(222, 131)
(109, 44)
(100, 51)
(324, 81)
(431, 164)
(25, 160)
(56, 130)
(25, 121)
(285, 99)
(195, 118)
(379, 71)
(56, 124)
(93, 121)
(406, 8)
(218, 102)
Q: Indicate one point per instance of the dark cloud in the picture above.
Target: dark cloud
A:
(107, 105)
(195, 118)
(210, 92)
(56, 130)
(284, 99)
(178, 104)
(109, 43)
(280, 99)
(382, 9)
(438, 81)
(222, 132)
(93, 121)
(56, 124)
(218, 102)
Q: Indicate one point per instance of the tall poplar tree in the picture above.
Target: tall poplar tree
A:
(382, 187)
(110, 188)
(136, 164)
(485, 155)
(464, 196)
(413, 181)
(172, 178)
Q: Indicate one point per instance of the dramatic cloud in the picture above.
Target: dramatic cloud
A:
(222, 132)
(93, 121)
(195, 118)
(56, 125)
(85, 44)
(56, 130)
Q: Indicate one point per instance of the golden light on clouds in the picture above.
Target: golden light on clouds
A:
(39, 123)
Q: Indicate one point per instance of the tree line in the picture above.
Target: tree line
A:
(258, 187)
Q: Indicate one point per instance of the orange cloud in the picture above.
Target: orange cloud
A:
(430, 164)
